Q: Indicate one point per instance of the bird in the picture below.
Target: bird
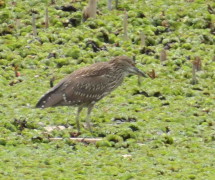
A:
(86, 86)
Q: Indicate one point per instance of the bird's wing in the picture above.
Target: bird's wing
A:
(87, 89)
(52, 97)
(84, 85)
(90, 84)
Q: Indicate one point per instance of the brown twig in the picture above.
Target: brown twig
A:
(34, 25)
(16, 72)
(197, 63)
(143, 39)
(213, 59)
(90, 10)
(109, 5)
(125, 25)
(163, 55)
(87, 140)
(194, 79)
(152, 74)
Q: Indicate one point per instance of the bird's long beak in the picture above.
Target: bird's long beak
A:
(138, 72)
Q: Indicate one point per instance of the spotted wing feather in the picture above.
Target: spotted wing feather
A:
(81, 87)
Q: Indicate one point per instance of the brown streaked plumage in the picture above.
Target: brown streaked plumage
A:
(85, 86)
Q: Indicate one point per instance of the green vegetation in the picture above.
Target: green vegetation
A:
(162, 129)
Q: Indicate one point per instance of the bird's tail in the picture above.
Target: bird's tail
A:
(51, 98)
(43, 102)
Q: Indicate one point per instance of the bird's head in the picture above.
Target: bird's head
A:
(127, 65)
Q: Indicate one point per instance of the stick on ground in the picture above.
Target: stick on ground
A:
(34, 25)
(88, 140)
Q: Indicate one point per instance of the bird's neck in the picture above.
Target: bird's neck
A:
(117, 76)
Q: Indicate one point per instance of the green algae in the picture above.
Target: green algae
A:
(162, 129)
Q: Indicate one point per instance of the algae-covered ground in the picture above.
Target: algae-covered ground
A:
(160, 129)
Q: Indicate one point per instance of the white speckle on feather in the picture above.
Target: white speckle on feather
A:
(64, 97)
(105, 93)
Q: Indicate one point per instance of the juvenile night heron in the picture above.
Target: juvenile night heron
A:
(85, 86)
